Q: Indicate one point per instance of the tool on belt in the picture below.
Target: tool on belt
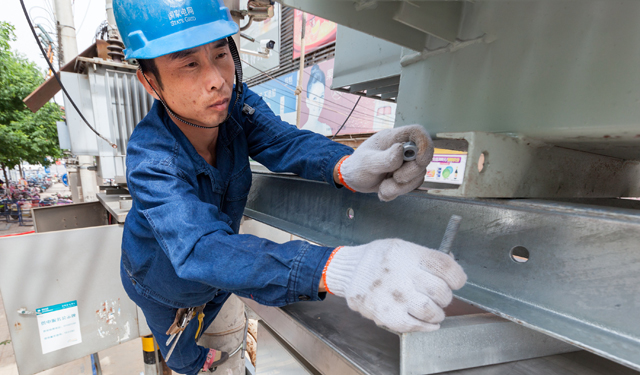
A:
(180, 323)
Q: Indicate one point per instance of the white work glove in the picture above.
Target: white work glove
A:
(377, 166)
(397, 284)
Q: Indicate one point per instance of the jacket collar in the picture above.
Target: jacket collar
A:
(226, 134)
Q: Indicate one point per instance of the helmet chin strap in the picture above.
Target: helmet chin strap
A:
(238, 72)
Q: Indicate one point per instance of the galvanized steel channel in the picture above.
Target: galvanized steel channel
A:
(579, 283)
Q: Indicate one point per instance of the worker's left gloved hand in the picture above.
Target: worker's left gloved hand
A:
(377, 166)
(397, 284)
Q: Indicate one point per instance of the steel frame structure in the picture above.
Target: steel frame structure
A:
(578, 283)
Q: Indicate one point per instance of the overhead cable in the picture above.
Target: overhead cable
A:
(347, 119)
(56, 75)
(84, 18)
(293, 109)
(362, 115)
(290, 87)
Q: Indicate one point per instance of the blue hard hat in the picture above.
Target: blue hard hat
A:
(152, 28)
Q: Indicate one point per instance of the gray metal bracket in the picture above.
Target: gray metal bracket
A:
(468, 338)
(438, 18)
(471, 341)
(579, 281)
(401, 22)
(506, 166)
(376, 20)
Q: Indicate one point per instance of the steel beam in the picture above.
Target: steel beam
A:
(383, 90)
(377, 21)
(384, 82)
(580, 280)
(343, 342)
(438, 18)
(389, 95)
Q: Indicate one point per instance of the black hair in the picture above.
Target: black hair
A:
(316, 76)
(148, 66)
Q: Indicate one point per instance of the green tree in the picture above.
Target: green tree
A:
(24, 136)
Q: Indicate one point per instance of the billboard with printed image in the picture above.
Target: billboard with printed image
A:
(318, 33)
(324, 110)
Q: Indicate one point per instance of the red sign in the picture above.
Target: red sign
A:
(58, 162)
(318, 33)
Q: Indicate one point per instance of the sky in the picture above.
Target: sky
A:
(88, 14)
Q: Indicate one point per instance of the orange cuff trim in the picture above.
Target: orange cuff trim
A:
(324, 271)
(340, 175)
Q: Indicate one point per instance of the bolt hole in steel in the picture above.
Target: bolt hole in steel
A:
(350, 213)
(519, 254)
(481, 161)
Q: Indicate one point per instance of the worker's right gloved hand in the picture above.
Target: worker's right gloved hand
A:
(377, 165)
(399, 285)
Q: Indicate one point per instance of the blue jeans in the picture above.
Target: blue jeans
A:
(188, 357)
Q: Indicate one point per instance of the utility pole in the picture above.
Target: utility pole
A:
(301, 72)
(68, 50)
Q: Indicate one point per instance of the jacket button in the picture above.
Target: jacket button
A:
(303, 297)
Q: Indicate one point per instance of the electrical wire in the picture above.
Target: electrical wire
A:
(56, 75)
(47, 11)
(290, 87)
(47, 22)
(101, 31)
(325, 119)
(309, 74)
(84, 18)
(347, 119)
(363, 116)
(293, 109)
(48, 4)
(46, 26)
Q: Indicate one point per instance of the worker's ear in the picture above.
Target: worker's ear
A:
(150, 80)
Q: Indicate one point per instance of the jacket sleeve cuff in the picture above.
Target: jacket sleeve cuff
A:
(331, 164)
(307, 272)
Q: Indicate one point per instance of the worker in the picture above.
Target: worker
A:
(189, 176)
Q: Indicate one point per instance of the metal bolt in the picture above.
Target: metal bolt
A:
(410, 151)
(24, 311)
(450, 233)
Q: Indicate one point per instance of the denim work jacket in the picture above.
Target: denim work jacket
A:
(181, 245)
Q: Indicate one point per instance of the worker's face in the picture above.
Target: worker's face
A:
(197, 83)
